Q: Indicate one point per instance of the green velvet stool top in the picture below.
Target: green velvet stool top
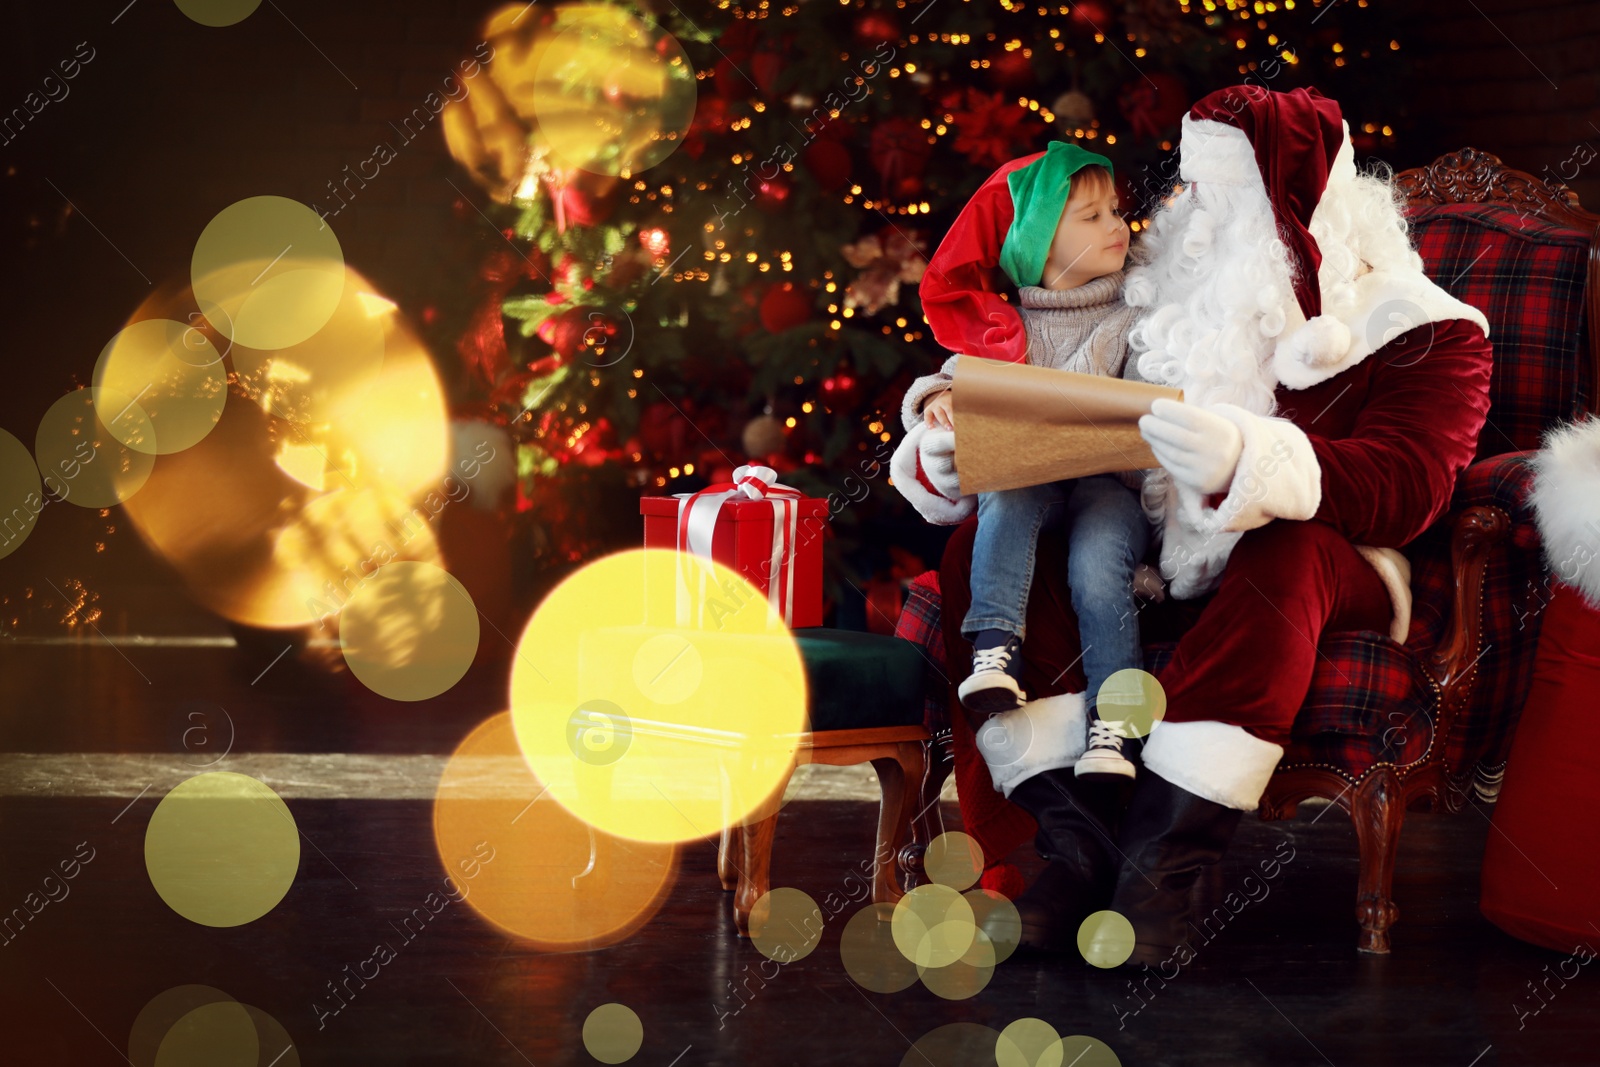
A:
(861, 681)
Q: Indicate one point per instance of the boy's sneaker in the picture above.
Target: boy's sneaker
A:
(1103, 761)
(996, 666)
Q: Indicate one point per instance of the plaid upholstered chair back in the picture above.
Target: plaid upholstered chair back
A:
(1519, 252)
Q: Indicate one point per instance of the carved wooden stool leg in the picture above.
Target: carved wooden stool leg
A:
(755, 866)
(900, 777)
(728, 857)
(1377, 809)
(929, 821)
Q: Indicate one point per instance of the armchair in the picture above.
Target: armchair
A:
(1425, 724)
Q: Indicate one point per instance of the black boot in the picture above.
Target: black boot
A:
(1077, 835)
(1168, 836)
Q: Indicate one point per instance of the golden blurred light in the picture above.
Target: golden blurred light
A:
(785, 924)
(275, 522)
(1106, 939)
(159, 386)
(20, 497)
(1132, 700)
(711, 707)
(267, 272)
(305, 382)
(410, 631)
(218, 12)
(597, 89)
(1080, 1050)
(933, 926)
(954, 859)
(966, 976)
(998, 918)
(221, 849)
(1029, 1042)
(952, 1045)
(869, 954)
(612, 1033)
(81, 461)
(549, 878)
(204, 1027)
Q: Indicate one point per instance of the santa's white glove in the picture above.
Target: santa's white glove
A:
(1198, 447)
(938, 454)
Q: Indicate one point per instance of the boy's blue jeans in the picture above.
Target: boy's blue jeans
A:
(1107, 537)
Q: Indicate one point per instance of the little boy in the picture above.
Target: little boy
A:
(1064, 249)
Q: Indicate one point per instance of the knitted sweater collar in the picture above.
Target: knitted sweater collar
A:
(1099, 293)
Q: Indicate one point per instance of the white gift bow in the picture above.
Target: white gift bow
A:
(697, 522)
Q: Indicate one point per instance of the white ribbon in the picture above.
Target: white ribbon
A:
(697, 523)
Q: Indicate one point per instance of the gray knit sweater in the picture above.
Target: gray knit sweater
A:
(1083, 329)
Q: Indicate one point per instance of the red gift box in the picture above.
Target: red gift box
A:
(742, 538)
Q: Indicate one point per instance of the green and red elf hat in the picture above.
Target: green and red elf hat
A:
(1009, 223)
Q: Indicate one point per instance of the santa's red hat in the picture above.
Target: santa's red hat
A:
(1292, 145)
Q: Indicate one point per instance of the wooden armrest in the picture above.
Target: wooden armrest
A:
(1476, 531)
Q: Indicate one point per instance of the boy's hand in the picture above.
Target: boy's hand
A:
(940, 411)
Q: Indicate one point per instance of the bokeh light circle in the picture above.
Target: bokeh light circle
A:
(80, 460)
(785, 924)
(159, 386)
(612, 1033)
(932, 926)
(599, 732)
(551, 880)
(221, 849)
(997, 917)
(954, 859)
(1081, 1050)
(1106, 939)
(869, 954)
(218, 12)
(1029, 1042)
(219, 1034)
(953, 1045)
(1134, 699)
(267, 272)
(966, 976)
(21, 499)
(614, 93)
(696, 761)
(410, 631)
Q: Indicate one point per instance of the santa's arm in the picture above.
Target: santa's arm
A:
(1393, 477)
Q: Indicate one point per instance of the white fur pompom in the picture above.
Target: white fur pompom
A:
(1198, 234)
(1566, 502)
(1319, 343)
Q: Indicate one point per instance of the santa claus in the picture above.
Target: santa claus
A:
(1332, 394)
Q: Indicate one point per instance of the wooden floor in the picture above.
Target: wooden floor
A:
(1280, 984)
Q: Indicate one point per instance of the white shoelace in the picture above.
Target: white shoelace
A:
(1103, 734)
(990, 659)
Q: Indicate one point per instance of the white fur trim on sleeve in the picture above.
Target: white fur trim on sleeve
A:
(930, 505)
(1395, 571)
(1278, 477)
(1223, 763)
(1042, 735)
(1387, 304)
(924, 387)
(1566, 502)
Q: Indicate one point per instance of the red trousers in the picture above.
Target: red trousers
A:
(1245, 654)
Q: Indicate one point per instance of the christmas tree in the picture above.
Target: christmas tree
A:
(715, 216)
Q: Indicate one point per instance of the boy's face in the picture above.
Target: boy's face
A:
(1091, 239)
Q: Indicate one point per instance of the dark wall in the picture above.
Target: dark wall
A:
(1519, 78)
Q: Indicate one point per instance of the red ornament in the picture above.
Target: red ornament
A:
(877, 27)
(578, 331)
(1091, 16)
(1011, 70)
(1153, 104)
(772, 194)
(731, 83)
(829, 163)
(899, 149)
(581, 199)
(990, 128)
(784, 306)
